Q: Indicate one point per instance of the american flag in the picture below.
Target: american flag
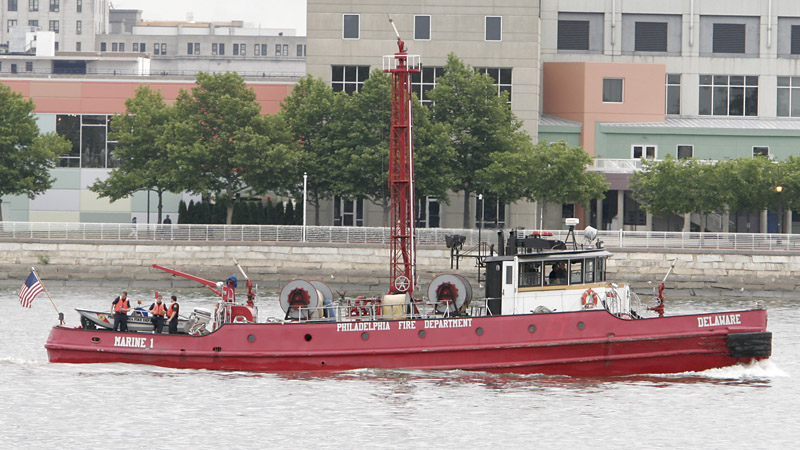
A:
(30, 289)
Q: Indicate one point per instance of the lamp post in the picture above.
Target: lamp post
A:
(779, 189)
(305, 199)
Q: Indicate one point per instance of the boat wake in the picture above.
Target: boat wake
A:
(755, 370)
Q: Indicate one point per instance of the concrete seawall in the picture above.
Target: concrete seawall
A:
(364, 268)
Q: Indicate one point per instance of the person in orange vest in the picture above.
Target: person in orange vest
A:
(172, 315)
(157, 311)
(120, 307)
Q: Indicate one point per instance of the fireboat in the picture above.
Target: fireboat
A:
(548, 309)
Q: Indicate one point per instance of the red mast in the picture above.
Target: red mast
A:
(402, 264)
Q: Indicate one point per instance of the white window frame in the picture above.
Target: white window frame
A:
(677, 156)
(769, 155)
(644, 148)
(622, 93)
(359, 27)
(485, 22)
(430, 26)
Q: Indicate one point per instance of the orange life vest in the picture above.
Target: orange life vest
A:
(122, 303)
(158, 309)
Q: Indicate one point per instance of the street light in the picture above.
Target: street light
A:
(480, 226)
(779, 189)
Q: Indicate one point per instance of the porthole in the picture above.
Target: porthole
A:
(251, 338)
(581, 325)
(365, 335)
(532, 328)
(96, 340)
(479, 331)
(307, 337)
(422, 333)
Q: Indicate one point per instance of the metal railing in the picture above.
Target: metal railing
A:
(22, 231)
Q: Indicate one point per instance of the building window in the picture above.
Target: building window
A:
(12, 5)
(428, 212)
(573, 35)
(9, 24)
(263, 49)
(788, 97)
(501, 77)
(243, 49)
(348, 213)
(728, 38)
(88, 135)
(761, 151)
(423, 82)
(56, 45)
(351, 28)
(77, 46)
(491, 210)
(673, 93)
(156, 48)
(33, 23)
(54, 5)
(723, 95)
(163, 48)
(685, 151)
(256, 50)
(348, 78)
(190, 48)
(103, 46)
(493, 29)
(78, 27)
(214, 49)
(122, 46)
(222, 49)
(29, 66)
(644, 151)
(650, 37)
(136, 47)
(795, 40)
(114, 47)
(285, 49)
(235, 49)
(277, 49)
(300, 50)
(33, 5)
(142, 47)
(612, 90)
(422, 28)
(79, 6)
(53, 26)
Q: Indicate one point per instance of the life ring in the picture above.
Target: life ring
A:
(590, 299)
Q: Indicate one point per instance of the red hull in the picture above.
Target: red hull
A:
(587, 343)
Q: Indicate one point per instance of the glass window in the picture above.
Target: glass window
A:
(348, 213)
(77, 46)
(673, 93)
(78, 27)
(33, 5)
(93, 145)
(788, 97)
(79, 6)
(69, 127)
(29, 66)
(685, 151)
(122, 46)
(761, 151)
(33, 23)
(612, 90)
(501, 77)
(54, 5)
(53, 26)
(156, 49)
(114, 47)
(351, 28)
(163, 48)
(494, 28)
(189, 48)
(263, 49)
(422, 28)
(557, 273)
(724, 95)
(423, 82)
(299, 49)
(348, 78)
(214, 48)
(795, 40)
(235, 49)
(103, 46)
(644, 151)
(285, 50)
(531, 274)
(243, 49)
(9, 24)
(257, 50)
(576, 271)
(196, 48)
(12, 5)
(142, 47)
(588, 271)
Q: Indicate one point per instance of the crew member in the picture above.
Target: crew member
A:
(158, 310)
(172, 315)
(558, 275)
(120, 307)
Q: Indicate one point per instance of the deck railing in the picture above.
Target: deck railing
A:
(22, 231)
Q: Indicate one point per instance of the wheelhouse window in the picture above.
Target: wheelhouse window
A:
(576, 271)
(531, 274)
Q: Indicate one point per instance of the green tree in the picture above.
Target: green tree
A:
(547, 173)
(221, 142)
(25, 156)
(309, 113)
(748, 184)
(144, 164)
(361, 137)
(480, 122)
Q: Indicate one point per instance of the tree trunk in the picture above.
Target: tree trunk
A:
(466, 209)
(160, 203)
(229, 209)
(1, 209)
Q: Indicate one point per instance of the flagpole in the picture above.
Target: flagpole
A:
(60, 314)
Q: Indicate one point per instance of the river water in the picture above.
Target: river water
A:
(128, 406)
